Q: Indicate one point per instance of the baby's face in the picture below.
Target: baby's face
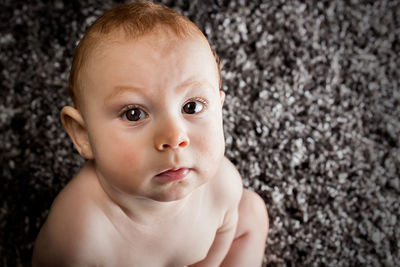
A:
(153, 105)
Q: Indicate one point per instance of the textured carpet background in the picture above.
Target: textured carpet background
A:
(311, 119)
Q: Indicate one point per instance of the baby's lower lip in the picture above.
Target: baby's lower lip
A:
(173, 175)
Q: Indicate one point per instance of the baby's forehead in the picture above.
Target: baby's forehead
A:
(159, 44)
(160, 40)
(105, 46)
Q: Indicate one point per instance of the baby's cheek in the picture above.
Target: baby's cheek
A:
(211, 145)
(118, 153)
(124, 167)
(128, 155)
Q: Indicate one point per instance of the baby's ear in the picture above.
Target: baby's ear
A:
(75, 126)
(222, 97)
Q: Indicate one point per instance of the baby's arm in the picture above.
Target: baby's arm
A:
(228, 190)
(222, 242)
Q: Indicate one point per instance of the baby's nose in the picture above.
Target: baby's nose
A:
(171, 136)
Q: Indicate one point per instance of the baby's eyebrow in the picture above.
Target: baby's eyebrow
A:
(120, 90)
(194, 83)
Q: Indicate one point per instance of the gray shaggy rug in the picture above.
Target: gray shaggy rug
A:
(311, 119)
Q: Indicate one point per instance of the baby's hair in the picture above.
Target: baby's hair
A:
(135, 20)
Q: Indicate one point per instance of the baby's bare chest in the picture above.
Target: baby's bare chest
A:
(176, 243)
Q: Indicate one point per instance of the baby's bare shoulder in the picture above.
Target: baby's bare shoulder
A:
(227, 184)
(73, 227)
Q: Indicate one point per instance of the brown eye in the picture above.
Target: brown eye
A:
(135, 114)
(193, 107)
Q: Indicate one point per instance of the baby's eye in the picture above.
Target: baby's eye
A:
(193, 107)
(135, 114)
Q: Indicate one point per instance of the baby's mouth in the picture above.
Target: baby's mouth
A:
(172, 175)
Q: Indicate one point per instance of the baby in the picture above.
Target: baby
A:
(156, 189)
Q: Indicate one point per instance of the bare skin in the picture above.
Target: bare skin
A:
(122, 209)
(83, 218)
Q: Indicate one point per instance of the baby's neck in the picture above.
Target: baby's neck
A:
(147, 211)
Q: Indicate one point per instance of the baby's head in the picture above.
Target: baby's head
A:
(128, 21)
(149, 110)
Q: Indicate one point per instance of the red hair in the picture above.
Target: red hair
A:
(135, 20)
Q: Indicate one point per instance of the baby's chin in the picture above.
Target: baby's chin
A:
(177, 191)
